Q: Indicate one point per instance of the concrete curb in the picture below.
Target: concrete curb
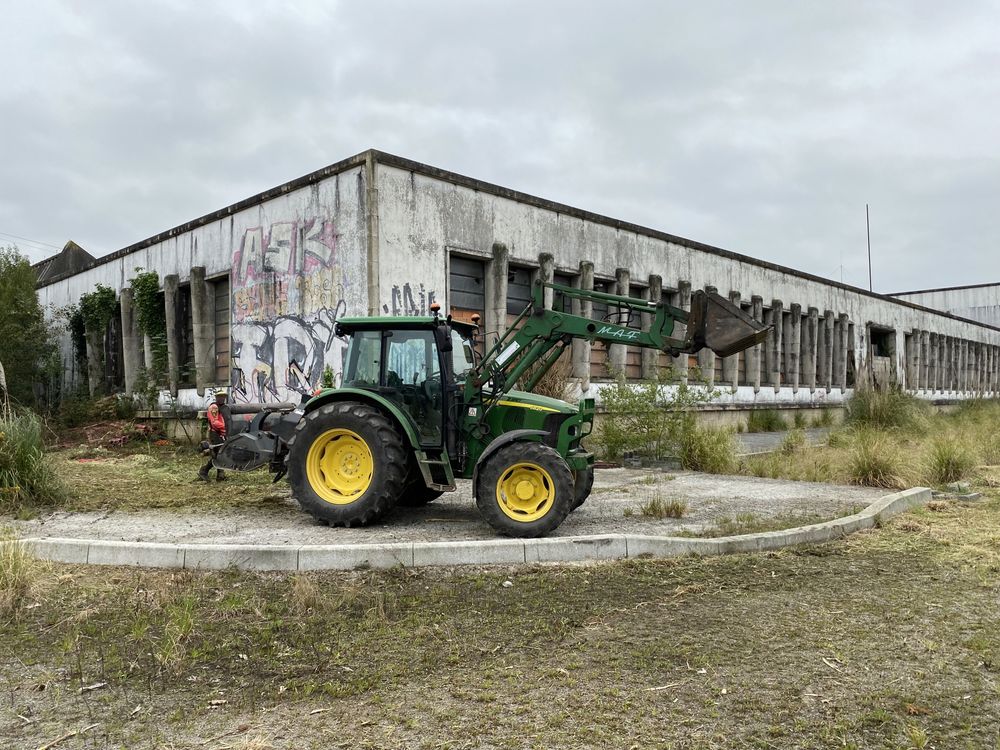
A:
(486, 552)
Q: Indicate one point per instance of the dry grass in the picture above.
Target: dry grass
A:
(158, 478)
(20, 575)
(858, 643)
(657, 507)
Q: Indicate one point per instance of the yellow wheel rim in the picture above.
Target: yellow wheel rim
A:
(339, 466)
(525, 492)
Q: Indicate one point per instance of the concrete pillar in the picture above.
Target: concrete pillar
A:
(754, 353)
(147, 354)
(546, 273)
(826, 374)
(131, 340)
(794, 344)
(840, 352)
(203, 327)
(963, 365)
(495, 292)
(585, 309)
(953, 353)
(684, 303)
(95, 361)
(810, 349)
(618, 353)
(651, 357)
(773, 354)
(925, 360)
(821, 354)
(933, 366)
(913, 360)
(731, 364)
(706, 357)
(170, 286)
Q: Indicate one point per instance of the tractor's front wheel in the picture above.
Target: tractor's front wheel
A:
(524, 490)
(346, 463)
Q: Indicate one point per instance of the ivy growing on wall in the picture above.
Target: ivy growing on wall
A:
(151, 317)
(97, 308)
(77, 332)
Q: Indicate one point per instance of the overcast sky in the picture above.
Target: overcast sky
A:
(761, 127)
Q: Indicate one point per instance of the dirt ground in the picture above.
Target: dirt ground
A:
(152, 497)
(888, 639)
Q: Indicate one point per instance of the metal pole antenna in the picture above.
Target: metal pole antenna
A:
(868, 229)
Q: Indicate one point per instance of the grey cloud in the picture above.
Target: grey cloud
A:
(763, 128)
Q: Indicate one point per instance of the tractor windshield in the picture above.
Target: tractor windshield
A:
(462, 358)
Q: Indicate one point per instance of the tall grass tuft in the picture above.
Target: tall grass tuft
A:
(766, 420)
(26, 479)
(19, 572)
(875, 460)
(708, 449)
(949, 460)
(886, 409)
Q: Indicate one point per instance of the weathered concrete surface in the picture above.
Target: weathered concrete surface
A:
(485, 552)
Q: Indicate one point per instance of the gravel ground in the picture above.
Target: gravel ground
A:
(454, 517)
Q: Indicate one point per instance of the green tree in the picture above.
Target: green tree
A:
(24, 338)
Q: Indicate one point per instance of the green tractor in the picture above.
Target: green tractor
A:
(419, 407)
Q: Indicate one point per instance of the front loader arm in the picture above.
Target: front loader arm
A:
(540, 335)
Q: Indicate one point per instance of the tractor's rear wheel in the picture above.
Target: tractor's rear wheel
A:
(583, 483)
(524, 490)
(346, 463)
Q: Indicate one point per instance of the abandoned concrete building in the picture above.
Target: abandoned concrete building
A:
(252, 292)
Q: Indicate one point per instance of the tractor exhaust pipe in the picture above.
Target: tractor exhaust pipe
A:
(718, 324)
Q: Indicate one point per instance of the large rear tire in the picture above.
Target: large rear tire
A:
(346, 463)
(583, 483)
(524, 490)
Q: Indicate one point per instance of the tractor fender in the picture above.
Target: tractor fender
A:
(499, 442)
(357, 394)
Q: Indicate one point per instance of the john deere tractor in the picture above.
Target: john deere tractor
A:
(419, 407)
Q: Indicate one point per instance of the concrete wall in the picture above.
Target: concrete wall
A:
(375, 235)
(424, 218)
(297, 262)
(980, 302)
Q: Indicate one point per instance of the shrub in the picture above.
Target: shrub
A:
(795, 440)
(26, 478)
(765, 420)
(823, 419)
(948, 460)
(555, 383)
(708, 449)
(885, 409)
(650, 417)
(876, 460)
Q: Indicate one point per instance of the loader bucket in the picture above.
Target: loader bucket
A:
(720, 325)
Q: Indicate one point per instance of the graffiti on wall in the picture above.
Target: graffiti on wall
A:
(289, 289)
(286, 355)
(407, 302)
(290, 285)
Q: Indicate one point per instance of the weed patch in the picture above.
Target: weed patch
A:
(766, 420)
(27, 479)
(660, 508)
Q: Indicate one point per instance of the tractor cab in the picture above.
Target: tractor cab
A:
(419, 364)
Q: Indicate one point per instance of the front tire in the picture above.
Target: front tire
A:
(524, 490)
(346, 463)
